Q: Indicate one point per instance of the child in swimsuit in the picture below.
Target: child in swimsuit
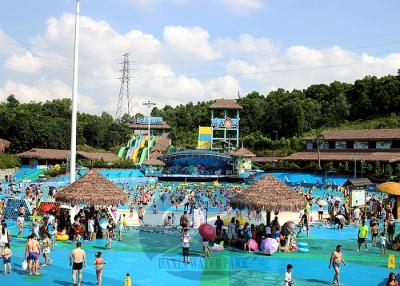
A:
(7, 258)
(99, 264)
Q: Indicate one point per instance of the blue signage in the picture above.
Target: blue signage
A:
(153, 120)
(225, 122)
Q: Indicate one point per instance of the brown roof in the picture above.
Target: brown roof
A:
(165, 125)
(58, 154)
(92, 189)
(4, 144)
(266, 159)
(360, 134)
(225, 104)
(155, 154)
(270, 194)
(106, 156)
(51, 154)
(242, 152)
(389, 157)
(154, 162)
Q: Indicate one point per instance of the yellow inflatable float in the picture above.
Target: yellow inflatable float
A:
(60, 237)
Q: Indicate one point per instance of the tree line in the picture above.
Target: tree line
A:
(48, 125)
(286, 114)
(281, 114)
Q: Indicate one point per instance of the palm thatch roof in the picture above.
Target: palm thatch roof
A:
(155, 154)
(92, 189)
(269, 194)
(153, 162)
(225, 104)
(242, 152)
(4, 144)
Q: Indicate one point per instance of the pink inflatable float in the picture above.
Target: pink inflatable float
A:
(207, 231)
(253, 245)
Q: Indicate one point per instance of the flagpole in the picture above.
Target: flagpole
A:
(74, 98)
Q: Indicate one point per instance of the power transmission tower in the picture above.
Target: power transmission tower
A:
(124, 90)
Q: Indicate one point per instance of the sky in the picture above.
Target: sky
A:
(191, 50)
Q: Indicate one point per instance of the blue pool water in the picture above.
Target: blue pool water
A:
(307, 178)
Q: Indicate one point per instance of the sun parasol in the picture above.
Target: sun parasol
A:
(48, 207)
(391, 188)
(269, 246)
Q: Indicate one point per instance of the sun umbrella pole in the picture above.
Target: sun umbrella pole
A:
(268, 217)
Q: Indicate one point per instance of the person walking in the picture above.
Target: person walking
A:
(77, 260)
(99, 265)
(47, 249)
(32, 254)
(289, 281)
(185, 245)
(336, 259)
(7, 253)
(362, 236)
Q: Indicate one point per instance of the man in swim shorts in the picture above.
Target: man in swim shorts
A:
(78, 260)
(336, 259)
(32, 254)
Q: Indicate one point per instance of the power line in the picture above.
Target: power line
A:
(125, 95)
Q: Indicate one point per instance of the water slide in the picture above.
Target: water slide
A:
(132, 148)
(135, 156)
(143, 156)
(135, 149)
(121, 152)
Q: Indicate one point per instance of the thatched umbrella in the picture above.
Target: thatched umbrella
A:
(92, 189)
(269, 194)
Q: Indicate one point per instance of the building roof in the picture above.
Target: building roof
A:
(165, 125)
(51, 154)
(106, 156)
(58, 154)
(266, 159)
(360, 134)
(242, 152)
(389, 157)
(225, 104)
(153, 162)
(358, 182)
(4, 144)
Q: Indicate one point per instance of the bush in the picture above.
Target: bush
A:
(388, 171)
(8, 161)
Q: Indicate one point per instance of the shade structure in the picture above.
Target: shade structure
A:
(392, 188)
(154, 162)
(269, 194)
(92, 189)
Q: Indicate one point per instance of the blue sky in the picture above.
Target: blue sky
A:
(194, 49)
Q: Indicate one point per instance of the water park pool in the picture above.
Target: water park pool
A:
(307, 178)
(153, 258)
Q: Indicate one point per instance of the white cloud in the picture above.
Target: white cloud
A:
(186, 64)
(44, 89)
(24, 63)
(189, 42)
(241, 6)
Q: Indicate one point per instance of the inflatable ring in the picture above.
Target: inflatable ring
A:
(302, 244)
(62, 237)
(217, 247)
(302, 249)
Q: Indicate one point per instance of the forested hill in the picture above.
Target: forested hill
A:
(284, 113)
(280, 113)
(48, 125)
